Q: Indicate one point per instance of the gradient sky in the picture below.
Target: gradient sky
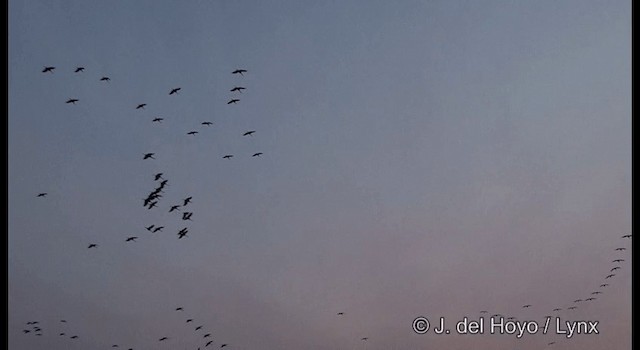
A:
(421, 158)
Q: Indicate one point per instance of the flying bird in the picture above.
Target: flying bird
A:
(621, 249)
(235, 100)
(105, 79)
(63, 321)
(72, 100)
(189, 320)
(74, 337)
(572, 307)
(604, 285)
(228, 156)
(132, 239)
(152, 204)
(141, 106)
(25, 331)
(192, 132)
(158, 229)
(238, 88)
(615, 268)
(207, 123)
(182, 234)
(175, 207)
(148, 155)
(209, 343)
(174, 91)
(198, 328)
(589, 299)
(163, 338)
(92, 245)
(249, 133)
(61, 334)
(596, 293)
(626, 236)
(179, 309)
(577, 300)
(257, 154)
(239, 71)
(207, 335)
(186, 201)
(557, 309)
(79, 69)
(618, 260)
(609, 276)
(44, 194)
(157, 120)
(223, 345)
(48, 69)
(526, 306)
(157, 176)
(150, 228)
(365, 338)
(340, 313)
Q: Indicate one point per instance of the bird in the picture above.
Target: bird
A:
(340, 313)
(235, 100)
(249, 133)
(25, 331)
(92, 245)
(114, 346)
(158, 229)
(163, 338)
(526, 306)
(626, 236)
(192, 132)
(189, 320)
(223, 345)
(163, 183)
(239, 71)
(157, 120)
(228, 156)
(618, 260)
(150, 228)
(365, 338)
(209, 343)
(152, 204)
(175, 207)
(207, 335)
(609, 276)
(72, 100)
(158, 176)
(61, 334)
(141, 106)
(206, 123)
(105, 79)
(132, 239)
(186, 216)
(572, 307)
(174, 91)
(79, 69)
(577, 300)
(44, 194)
(186, 201)
(557, 309)
(148, 155)
(198, 328)
(182, 234)
(63, 321)
(238, 88)
(615, 268)
(604, 285)
(621, 249)
(48, 69)
(589, 299)
(596, 293)
(179, 309)
(74, 337)
(257, 154)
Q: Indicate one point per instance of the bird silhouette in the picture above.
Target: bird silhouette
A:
(577, 300)
(175, 207)
(572, 307)
(79, 69)
(132, 239)
(163, 339)
(590, 299)
(596, 293)
(238, 88)
(189, 320)
(365, 338)
(63, 321)
(192, 132)
(604, 285)
(48, 69)
(179, 309)
(105, 79)
(620, 249)
(44, 194)
(157, 120)
(157, 229)
(249, 133)
(223, 345)
(25, 331)
(174, 91)
(340, 313)
(207, 123)
(72, 100)
(235, 100)
(74, 337)
(148, 155)
(207, 335)
(228, 156)
(186, 201)
(526, 306)
(92, 245)
(152, 204)
(141, 106)
(209, 343)
(609, 276)
(615, 268)
(557, 309)
(618, 260)
(198, 328)
(239, 71)
(157, 176)
(61, 334)
(626, 236)
(257, 154)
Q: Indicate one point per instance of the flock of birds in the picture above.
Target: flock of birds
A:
(152, 200)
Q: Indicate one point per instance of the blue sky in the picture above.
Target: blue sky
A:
(422, 158)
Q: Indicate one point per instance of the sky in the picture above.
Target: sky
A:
(419, 159)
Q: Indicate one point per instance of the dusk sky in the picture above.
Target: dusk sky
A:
(419, 158)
